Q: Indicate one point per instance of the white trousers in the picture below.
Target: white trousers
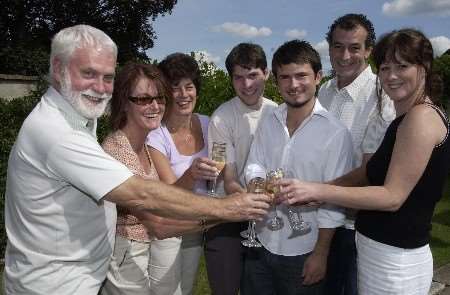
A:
(388, 270)
(173, 265)
(128, 270)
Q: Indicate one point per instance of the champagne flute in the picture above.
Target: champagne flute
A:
(218, 154)
(257, 186)
(276, 222)
(295, 219)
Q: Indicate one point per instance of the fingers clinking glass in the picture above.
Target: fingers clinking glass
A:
(219, 155)
(294, 216)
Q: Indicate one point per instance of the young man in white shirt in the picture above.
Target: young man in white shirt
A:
(307, 142)
(351, 96)
(234, 123)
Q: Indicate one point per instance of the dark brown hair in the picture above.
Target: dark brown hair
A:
(177, 66)
(124, 84)
(246, 55)
(298, 52)
(412, 46)
(349, 22)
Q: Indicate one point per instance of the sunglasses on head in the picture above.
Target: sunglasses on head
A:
(145, 100)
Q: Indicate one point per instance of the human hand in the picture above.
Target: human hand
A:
(314, 268)
(162, 227)
(245, 206)
(294, 192)
(203, 168)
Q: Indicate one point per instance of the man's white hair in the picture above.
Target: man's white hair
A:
(67, 40)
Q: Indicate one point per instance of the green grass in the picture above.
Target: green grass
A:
(440, 234)
(201, 286)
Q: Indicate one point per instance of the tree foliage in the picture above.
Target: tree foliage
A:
(442, 67)
(26, 27)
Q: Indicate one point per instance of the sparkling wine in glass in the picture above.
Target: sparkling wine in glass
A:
(257, 186)
(219, 155)
(276, 222)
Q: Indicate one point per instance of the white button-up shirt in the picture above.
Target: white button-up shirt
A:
(356, 107)
(319, 150)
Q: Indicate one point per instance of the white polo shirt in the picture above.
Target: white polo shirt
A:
(60, 231)
(319, 150)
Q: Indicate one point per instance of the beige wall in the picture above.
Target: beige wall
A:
(12, 86)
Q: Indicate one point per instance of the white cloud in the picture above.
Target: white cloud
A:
(243, 30)
(296, 34)
(411, 7)
(206, 56)
(440, 44)
(322, 49)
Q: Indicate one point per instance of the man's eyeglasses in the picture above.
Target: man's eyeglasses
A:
(145, 100)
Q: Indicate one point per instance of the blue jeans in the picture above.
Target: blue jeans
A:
(342, 271)
(270, 274)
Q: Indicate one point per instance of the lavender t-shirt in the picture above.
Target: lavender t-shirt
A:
(161, 140)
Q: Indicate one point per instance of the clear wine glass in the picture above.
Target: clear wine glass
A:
(257, 186)
(295, 219)
(219, 155)
(275, 223)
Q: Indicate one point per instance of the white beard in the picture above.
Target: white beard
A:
(88, 103)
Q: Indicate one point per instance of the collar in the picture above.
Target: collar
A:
(354, 88)
(54, 98)
(281, 113)
(246, 108)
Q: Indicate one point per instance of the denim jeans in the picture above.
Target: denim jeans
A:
(270, 274)
(342, 271)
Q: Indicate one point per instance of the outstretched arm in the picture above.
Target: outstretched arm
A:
(169, 201)
(420, 131)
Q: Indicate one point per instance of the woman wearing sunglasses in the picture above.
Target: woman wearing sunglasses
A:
(137, 107)
(179, 150)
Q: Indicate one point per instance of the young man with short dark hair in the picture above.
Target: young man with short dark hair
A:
(308, 143)
(234, 123)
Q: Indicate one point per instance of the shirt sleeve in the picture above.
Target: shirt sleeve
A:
(377, 126)
(339, 162)
(220, 130)
(158, 140)
(80, 161)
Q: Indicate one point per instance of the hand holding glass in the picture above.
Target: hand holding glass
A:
(294, 216)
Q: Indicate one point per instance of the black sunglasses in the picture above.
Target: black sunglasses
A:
(145, 100)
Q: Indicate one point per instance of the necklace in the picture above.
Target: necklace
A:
(188, 137)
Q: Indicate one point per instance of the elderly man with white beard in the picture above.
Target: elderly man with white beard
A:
(61, 186)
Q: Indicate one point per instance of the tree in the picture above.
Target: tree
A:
(26, 27)
(442, 67)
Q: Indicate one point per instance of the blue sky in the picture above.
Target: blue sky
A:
(215, 26)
